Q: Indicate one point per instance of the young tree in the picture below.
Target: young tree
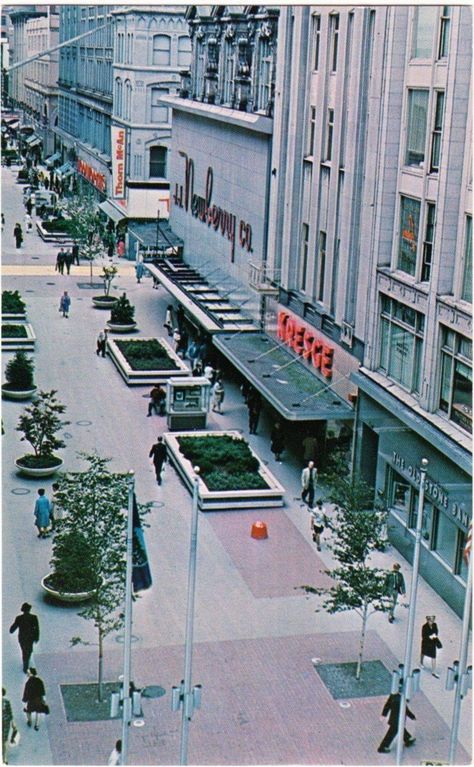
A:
(94, 504)
(40, 423)
(358, 530)
(85, 227)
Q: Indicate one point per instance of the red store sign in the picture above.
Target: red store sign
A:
(304, 340)
(96, 179)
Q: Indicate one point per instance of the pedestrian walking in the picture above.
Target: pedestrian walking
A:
(55, 511)
(198, 371)
(18, 235)
(218, 394)
(28, 223)
(277, 443)
(176, 339)
(9, 729)
(75, 254)
(101, 345)
(110, 248)
(64, 304)
(116, 755)
(157, 401)
(430, 643)
(168, 323)
(318, 523)
(68, 259)
(209, 372)
(159, 454)
(254, 406)
(42, 513)
(29, 205)
(392, 709)
(309, 477)
(3, 222)
(60, 261)
(28, 632)
(394, 585)
(33, 695)
(139, 269)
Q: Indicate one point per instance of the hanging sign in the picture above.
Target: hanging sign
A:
(118, 162)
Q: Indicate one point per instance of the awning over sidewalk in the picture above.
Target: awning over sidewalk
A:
(65, 170)
(284, 380)
(151, 234)
(112, 212)
(49, 162)
(33, 141)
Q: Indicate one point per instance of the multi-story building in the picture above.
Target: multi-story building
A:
(19, 17)
(40, 79)
(345, 198)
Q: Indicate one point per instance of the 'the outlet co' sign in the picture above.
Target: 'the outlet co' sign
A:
(202, 208)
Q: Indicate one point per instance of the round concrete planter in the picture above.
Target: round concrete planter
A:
(65, 596)
(104, 302)
(17, 394)
(115, 328)
(30, 471)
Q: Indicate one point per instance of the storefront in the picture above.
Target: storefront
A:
(391, 441)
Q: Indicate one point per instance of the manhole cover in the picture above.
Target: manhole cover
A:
(344, 704)
(121, 639)
(84, 423)
(138, 723)
(153, 691)
(32, 291)
(35, 258)
(48, 283)
(156, 504)
(67, 435)
(20, 491)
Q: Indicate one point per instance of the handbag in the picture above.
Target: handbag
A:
(438, 643)
(14, 737)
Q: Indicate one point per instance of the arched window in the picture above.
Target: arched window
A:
(158, 156)
(118, 97)
(128, 100)
(184, 51)
(162, 50)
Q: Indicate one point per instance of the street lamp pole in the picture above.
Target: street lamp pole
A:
(406, 679)
(187, 697)
(127, 645)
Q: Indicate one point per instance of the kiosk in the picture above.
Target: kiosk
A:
(187, 403)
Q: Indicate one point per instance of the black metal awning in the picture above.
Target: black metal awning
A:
(283, 379)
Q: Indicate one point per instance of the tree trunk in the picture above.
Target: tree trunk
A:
(101, 666)
(90, 261)
(362, 640)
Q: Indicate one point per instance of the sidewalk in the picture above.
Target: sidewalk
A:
(255, 635)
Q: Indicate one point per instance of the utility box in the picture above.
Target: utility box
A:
(187, 403)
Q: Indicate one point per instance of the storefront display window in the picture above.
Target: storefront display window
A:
(461, 565)
(427, 519)
(445, 539)
(456, 378)
(400, 491)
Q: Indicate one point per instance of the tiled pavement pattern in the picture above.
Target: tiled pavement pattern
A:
(254, 635)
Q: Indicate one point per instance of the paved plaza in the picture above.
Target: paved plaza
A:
(263, 701)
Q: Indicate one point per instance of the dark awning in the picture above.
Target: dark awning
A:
(152, 233)
(283, 379)
(112, 212)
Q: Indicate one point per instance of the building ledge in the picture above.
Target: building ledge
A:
(248, 120)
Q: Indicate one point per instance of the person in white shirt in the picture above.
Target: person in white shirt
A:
(318, 523)
(116, 755)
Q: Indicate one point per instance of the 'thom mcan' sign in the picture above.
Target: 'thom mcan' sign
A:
(118, 162)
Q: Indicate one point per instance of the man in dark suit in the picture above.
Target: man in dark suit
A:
(28, 633)
(158, 453)
(392, 708)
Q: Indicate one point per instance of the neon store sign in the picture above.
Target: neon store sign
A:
(304, 340)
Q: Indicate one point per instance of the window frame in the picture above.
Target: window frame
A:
(154, 89)
(401, 230)
(157, 51)
(411, 128)
(466, 276)
(316, 23)
(334, 36)
(391, 315)
(329, 135)
(437, 130)
(428, 241)
(157, 162)
(443, 36)
(450, 356)
(304, 256)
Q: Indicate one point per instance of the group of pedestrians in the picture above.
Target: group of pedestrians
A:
(66, 258)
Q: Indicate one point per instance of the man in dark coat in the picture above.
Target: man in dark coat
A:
(254, 405)
(392, 708)
(158, 453)
(28, 632)
(75, 254)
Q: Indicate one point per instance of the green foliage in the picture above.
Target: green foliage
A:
(85, 226)
(30, 461)
(40, 422)
(146, 355)
(19, 372)
(60, 225)
(225, 462)
(13, 331)
(122, 313)
(107, 276)
(12, 302)
(72, 564)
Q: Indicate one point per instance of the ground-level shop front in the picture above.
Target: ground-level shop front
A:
(391, 441)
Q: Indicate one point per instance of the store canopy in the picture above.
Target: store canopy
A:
(49, 162)
(283, 379)
(33, 140)
(65, 170)
(112, 212)
(152, 233)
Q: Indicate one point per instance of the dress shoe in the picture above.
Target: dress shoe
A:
(383, 750)
(436, 676)
(410, 742)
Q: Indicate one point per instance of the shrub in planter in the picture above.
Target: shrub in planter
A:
(12, 302)
(59, 225)
(107, 276)
(13, 331)
(72, 564)
(225, 463)
(146, 355)
(19, 373)
(122, 313)
(39, 424)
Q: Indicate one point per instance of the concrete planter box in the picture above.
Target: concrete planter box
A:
(146, 377)
(104, 302)
(17, 394)
(15, 344)
(117, 327)
(30, 471)
(61, 238)
(64, 596)
(17, 317)
(223, 500)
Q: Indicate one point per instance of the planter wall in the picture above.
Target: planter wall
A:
(60, 237)
(17, 394)
(145, 377)
(29, 471)
(115, 327)
(62, 596)
(15, 344)
(16, 317)
(224, 500)
(100, 302)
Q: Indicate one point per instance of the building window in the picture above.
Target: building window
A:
(401, 343)
(118, 97)
(159, 112)
(399, 494)
(228, 73)
(416, 134)
(184, 51)
(456, 378)
(461, 567)
(321, 264)
(427, 520)
(334, 32)
(158, 161)
(444, 33)
(409, 225)
(162, 50)
(424, 23)
(128, 100)
(466, 288)
(304, 256)
(316, 41)
(437, 132)
(199, 78)
(428, 242)
(329, 134)
(445, 539)
(311, 132)
(264, 75)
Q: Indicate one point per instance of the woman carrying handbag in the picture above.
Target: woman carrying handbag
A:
(430, 643)
(33, 696)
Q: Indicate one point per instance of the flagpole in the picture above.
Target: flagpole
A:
(458, 695)
(127, 645)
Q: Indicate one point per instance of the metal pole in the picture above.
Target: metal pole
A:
(127, 644)
(411, 610)
(462, 664)
(188, 657)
